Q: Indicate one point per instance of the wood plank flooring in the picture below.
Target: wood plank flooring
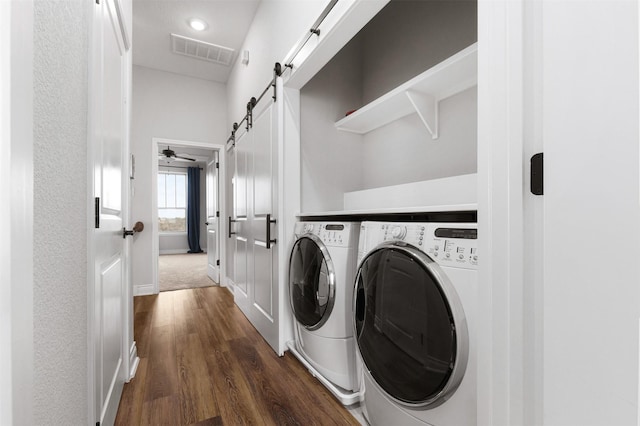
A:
(203, 363)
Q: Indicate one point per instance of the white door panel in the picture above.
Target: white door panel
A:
(262, 165)
(263, 271)
(241, 265)
(107, 244)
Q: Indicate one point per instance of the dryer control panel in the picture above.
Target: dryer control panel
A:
(449, 244)
(332, 234)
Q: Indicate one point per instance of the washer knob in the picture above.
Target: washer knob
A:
(399, 232)
(308, 228)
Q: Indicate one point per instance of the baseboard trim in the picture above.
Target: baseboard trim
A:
(174, 251)
(143, 290)
(134, 361)
(228, 282)
(178, 251)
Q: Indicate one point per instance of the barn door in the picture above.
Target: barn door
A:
(256, 221)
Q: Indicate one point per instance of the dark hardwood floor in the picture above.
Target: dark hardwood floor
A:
(203, 363)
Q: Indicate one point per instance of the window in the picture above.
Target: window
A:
(172, 202)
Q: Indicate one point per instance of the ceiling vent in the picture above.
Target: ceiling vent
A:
(200, 50)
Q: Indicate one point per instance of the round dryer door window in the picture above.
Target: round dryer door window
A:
(410, 327)
(311, 282)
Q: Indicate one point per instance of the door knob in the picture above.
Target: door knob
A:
(138, 227)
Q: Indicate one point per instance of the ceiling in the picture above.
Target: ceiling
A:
(154, 20)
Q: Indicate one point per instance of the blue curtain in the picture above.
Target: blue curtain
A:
(193, 209)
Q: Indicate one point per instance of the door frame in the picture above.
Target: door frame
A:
(16, 239)
(218, 204)
(155, 244)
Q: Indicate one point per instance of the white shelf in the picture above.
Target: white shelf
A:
(419, 95)
(449, 194)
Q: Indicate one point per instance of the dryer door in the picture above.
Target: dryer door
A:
(410, 326)
(311, 282)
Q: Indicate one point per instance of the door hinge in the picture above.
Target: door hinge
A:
(218, 262)
(537, 174)
(217, 165)
(97, 212)
(217, 214)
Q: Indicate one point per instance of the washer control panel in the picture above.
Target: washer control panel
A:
(334, 234)
(449, 244)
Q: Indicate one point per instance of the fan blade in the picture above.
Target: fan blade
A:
(185, 158)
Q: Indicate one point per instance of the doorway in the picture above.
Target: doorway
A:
(186, 192)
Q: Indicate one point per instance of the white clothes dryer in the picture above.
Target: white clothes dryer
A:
(414, 304)
(321, 276)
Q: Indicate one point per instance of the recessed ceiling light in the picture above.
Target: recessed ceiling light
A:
(197, 24)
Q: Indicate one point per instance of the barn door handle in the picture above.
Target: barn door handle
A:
(229, 227)
(268, 222)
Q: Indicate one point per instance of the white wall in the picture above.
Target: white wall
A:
(410, 36)
(590, 97)
(177, 242)
(60, 200)
(330, 160)
(404, 150)
(276, 28)
(167, 106)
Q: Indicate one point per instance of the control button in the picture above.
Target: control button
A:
(460, 256)
(308, 228)
(435, 254)
(436, 248)
(399, 232)
(475, 258)
(448, 255)
(420, 243)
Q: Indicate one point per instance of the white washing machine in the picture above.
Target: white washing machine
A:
(321, 276)
(414, 305)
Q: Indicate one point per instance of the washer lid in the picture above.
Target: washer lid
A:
(311, 282)
(410, 327)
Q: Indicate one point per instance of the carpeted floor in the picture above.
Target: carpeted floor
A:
(180, 271)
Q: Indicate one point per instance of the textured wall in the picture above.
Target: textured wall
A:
(60, 193)
(167, 106)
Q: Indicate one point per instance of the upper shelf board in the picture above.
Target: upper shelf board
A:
(419, 95)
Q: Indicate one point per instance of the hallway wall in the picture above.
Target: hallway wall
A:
(60, 66)
(170, 106)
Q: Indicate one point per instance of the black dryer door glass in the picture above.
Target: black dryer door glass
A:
(311, 282)
(404, 326)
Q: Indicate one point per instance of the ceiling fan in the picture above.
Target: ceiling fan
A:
(169, 155)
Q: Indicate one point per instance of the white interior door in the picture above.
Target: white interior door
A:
(107, 241)
(213, 213)
(256, 260)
